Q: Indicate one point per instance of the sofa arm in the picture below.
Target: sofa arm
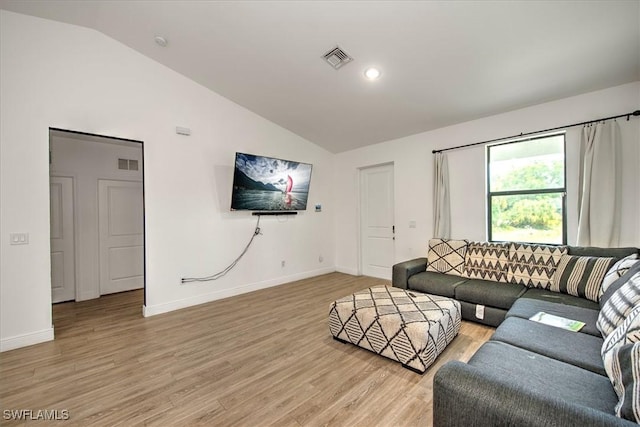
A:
(406, 269)
(464, 395)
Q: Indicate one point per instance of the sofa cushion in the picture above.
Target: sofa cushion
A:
(486, 292)
(533, 265)
(558, 298)
(581, 276)
(464, 396)
(526, 307)
(606, 252)
(446, 256)
(435, 283)
(617, 271)
(487, 261)
(491, 316)
(544, 376)
(578, 349)
(619, 305)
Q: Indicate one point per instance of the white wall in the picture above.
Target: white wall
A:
(413, 161)
(87, 161)
(58, 75)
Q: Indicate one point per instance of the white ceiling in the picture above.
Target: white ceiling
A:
(443, 62)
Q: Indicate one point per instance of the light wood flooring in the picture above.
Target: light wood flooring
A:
(262, 358)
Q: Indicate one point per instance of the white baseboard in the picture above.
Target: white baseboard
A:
(25, 340)
(347, 270)
(152, 310)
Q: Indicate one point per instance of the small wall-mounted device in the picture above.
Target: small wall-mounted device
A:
(318, 208)
(19, 238)
(183, 131)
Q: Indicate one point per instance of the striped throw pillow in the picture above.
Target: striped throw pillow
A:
(581, 276)
(623, 372)
(619, 305)
(621, 356)
(627, 333)
(617, 270)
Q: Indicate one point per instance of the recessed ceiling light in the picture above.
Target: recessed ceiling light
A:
(161, 41)
(372, 73)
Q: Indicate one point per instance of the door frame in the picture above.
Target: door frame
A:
(144, 222)
(359, 212)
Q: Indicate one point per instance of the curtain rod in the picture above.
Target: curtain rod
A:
(635, 113)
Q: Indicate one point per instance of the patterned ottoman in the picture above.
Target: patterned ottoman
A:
(410, 327)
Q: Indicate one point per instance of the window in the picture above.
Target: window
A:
(526, 191)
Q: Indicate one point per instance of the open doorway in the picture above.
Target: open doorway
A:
(97, 215)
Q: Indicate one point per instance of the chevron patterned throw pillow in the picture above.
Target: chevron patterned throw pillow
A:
(487, 261)
(533, 265)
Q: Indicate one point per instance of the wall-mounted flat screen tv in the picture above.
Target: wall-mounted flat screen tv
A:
(268, 184)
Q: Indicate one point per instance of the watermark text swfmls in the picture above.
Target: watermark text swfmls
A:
(35, 415)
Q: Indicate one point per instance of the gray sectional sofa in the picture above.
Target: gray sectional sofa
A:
(528, 373)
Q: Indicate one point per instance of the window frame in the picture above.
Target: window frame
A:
(561, 190)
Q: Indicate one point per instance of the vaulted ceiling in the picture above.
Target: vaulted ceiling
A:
(442, 62)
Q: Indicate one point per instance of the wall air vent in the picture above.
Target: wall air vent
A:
(128, 164)
(337, 57)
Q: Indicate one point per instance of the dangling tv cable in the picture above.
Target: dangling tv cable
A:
(230, 267)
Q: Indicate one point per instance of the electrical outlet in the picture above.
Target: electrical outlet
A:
(282, 263)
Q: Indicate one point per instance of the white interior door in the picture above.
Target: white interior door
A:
(377, 221)
(63, 278)
(120, 222)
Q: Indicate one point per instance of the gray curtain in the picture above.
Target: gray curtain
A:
(441, 203)
(600, 181)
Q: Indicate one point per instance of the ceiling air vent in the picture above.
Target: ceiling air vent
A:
(337, 57)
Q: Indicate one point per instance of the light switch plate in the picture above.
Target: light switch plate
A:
(19, 238)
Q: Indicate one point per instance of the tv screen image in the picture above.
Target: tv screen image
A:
(268, 184)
